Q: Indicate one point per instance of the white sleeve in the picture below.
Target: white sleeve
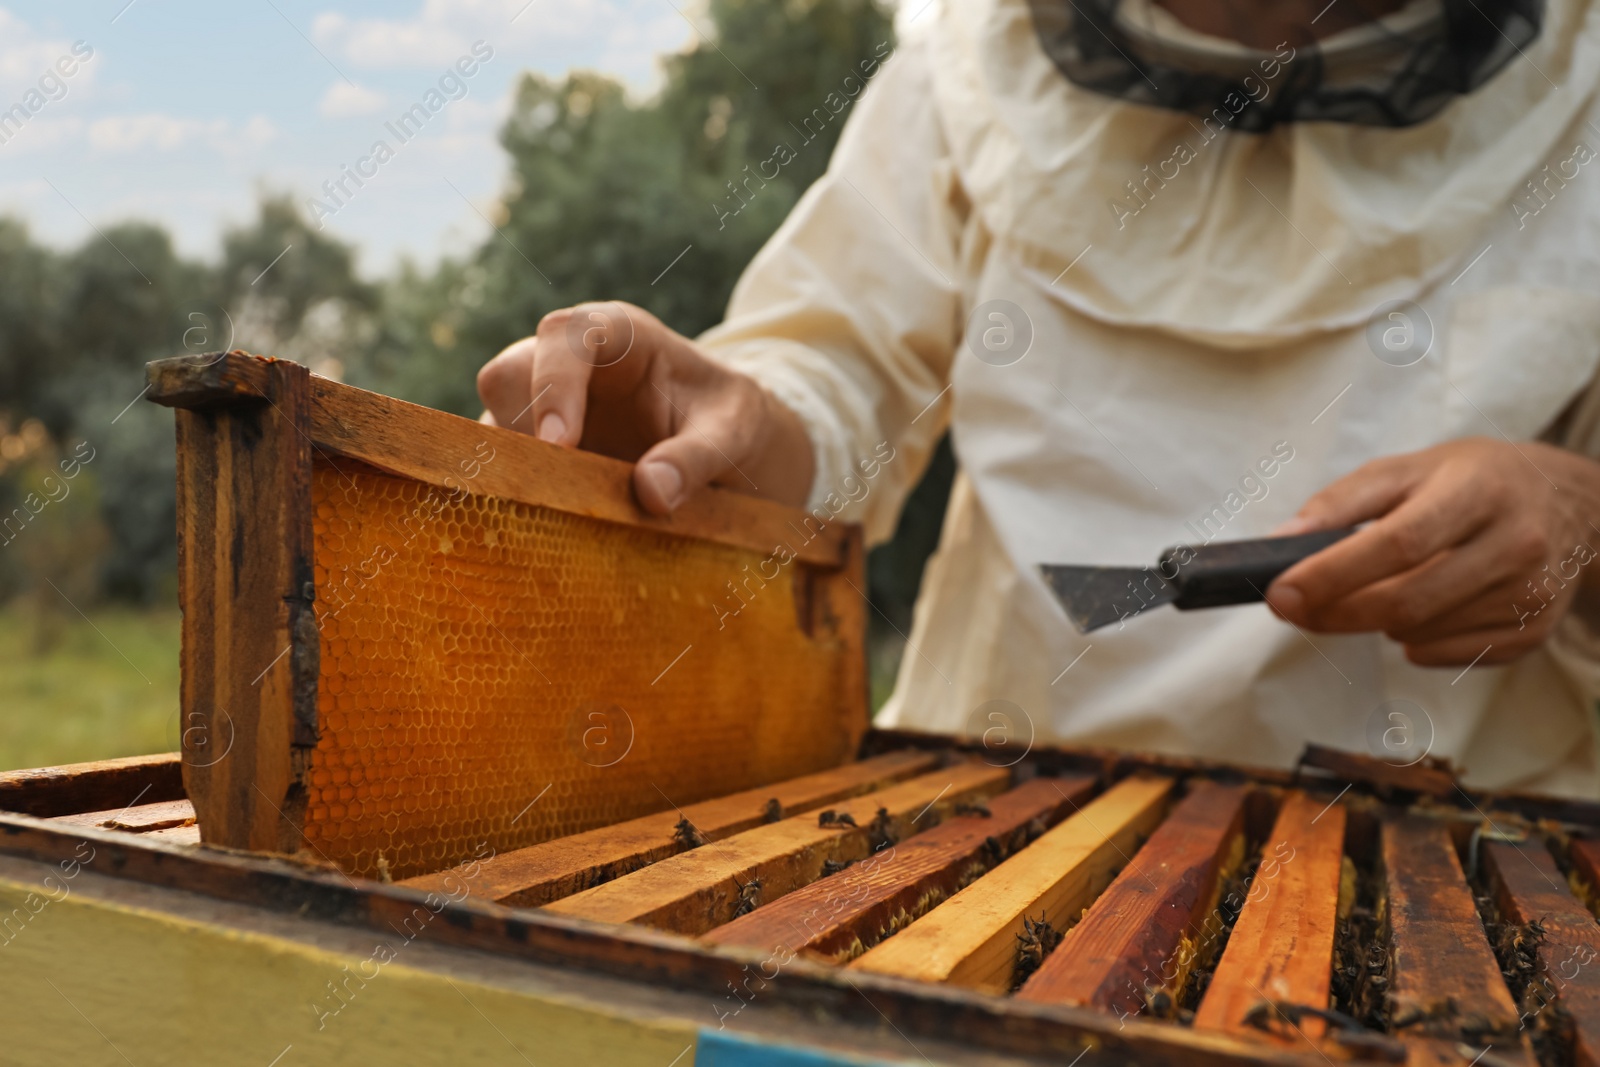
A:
(851, 312)
(1574, 645)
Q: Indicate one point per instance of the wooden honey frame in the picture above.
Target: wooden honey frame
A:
(248, 429)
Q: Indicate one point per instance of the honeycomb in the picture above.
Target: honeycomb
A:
(495, 674)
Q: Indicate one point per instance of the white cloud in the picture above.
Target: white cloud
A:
(344, 100)
(24, 54)
(245, 140)
(129, 133)
(26, 57)
(621, 36)
(433, 37)
(481, 118)
(120, 134)
(43, 134)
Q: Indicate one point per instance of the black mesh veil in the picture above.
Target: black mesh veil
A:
(1395, 71)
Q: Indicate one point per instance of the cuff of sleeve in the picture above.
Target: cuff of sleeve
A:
(1575, 648)
(791, 371)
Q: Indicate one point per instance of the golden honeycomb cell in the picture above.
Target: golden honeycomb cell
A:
(499, 674)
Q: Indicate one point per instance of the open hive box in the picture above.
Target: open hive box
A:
(479, 763)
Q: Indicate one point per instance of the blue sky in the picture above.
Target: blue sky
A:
(186, 110)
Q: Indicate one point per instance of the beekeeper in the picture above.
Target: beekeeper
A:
(1173, 271)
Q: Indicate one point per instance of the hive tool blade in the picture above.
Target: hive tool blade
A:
(1099, 596)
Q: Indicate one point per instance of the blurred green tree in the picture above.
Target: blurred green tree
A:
(283, 258)
(607, 193)
(77, 329)
(30, 279)
(121, 305)
(66, 531)
(293, 291)
(74, 355)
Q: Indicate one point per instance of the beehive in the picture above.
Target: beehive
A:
(1070, 907)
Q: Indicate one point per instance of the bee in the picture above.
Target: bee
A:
(974, 807)
(1478, 1027)
(1411, 1014)
(1034, 943)
(835, 818)
(687, 835)
(1376, 1045)
(834, 867)
(882, 827)
(1260, 1015)
(1524, 939)
(749, 897)
(772, 812)
(1035, 830)
(994, 849)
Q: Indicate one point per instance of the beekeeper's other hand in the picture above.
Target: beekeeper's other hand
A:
(1474, 550)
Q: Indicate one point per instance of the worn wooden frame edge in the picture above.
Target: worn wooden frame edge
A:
(347, 421)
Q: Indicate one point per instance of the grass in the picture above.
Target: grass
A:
(108, 686)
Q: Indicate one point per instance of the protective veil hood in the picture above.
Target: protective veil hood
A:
(1145, 217)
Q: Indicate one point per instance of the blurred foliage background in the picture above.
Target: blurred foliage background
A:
(603, 192)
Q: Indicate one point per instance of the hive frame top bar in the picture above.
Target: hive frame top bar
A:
(425, 445)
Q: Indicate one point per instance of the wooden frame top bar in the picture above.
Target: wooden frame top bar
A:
(438, 449)
(46, 792)
(1281, 946)
(547, 872)
(1445, 983)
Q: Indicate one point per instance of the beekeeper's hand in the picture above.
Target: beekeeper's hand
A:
(1476, 548)
(612, 378)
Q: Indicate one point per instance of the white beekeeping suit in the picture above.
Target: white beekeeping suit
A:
(1144, 329)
